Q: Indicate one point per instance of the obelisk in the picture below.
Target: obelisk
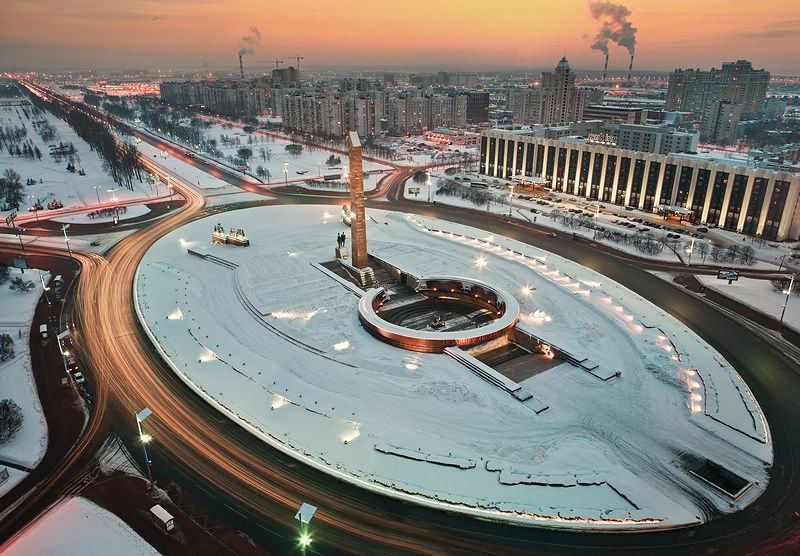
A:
(358, 226)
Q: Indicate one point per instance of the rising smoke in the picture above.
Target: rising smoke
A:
(247, 42)
(615, 26)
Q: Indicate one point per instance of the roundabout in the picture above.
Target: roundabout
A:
(593, 410)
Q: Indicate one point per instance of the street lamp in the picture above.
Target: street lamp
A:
(304, 515)
(35, 212)
(144, 438)
(97, 190)
(788, 292)
(44, 287)
(66, 239)
(286, 173)
(428, 185)
(510, 200)
(690, 250)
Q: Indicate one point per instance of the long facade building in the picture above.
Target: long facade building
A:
(733, 194)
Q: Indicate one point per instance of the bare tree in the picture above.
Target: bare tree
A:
(10, 420)
(6, 347)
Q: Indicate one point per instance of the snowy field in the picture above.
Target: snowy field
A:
(56, 182)
(16, 378)
(78, 526)
(299, 371)
(134, 211)
(758, 294)
(270, 152)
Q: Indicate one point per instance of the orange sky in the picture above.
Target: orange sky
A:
(378, 34)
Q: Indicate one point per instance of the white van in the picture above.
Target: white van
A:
(43, 331)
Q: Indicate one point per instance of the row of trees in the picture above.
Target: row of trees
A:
(120, 160)
(478, 197)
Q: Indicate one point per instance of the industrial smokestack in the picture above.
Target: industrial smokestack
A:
(241, 67)
(630, 69)
(605, 68)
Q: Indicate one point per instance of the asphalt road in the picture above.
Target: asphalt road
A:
(264, 486)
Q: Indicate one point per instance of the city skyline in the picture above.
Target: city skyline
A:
(184, 35)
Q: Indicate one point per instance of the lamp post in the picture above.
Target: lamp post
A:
(35, 212)
(780, 266)
(286, 173)
(428, 185)
(66, 239)
(510, 200)
(690, 250)
(788, 292)
(304, 515)
(144, 438)
(97, 190)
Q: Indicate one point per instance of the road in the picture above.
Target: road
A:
(247, 478)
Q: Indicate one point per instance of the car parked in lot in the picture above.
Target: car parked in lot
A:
(702, 230)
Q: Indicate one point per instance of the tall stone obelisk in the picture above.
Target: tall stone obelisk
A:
(358, 226)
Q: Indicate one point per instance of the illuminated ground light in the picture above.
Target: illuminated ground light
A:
(177, 314)
(207, 356)
(341, 345)
(278, 401)
(302, 316)
(526, 290)
(481, 261)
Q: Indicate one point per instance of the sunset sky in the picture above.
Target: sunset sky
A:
(404, 34)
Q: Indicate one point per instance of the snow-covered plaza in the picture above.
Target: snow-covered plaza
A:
(632, 420)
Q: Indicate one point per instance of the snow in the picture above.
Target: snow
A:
(57, 183)
(758, 294)
(14, 477)
(312, 160)
(768, 256)
(133, 211)
(196, 176)
(16, 377)
(78, 526)
(276, 344)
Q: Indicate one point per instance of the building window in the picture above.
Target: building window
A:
(551, 162)
(573, 169)
(520, 158)
(562, 163)
(700, 188)
(622, 183)
(484, 141)
(651, 183)
(684, 184)
(666, 184)
(636, 185)
(735, 202)
(608, 183)
(584, 172)
(753, 215)
(539, 159)
(492, 147)
(596, 172)
(717, 196)
(775, 211)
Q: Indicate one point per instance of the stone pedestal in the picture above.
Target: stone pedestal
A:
(341, 253)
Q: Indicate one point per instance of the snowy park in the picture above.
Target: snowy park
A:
(26, 448)
(636, 423)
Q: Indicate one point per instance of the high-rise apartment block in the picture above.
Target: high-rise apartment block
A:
(692, 90)
(720, 123)
(228, 97)
(557, 100)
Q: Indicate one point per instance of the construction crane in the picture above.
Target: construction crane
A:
(277, 62)
(298, 58)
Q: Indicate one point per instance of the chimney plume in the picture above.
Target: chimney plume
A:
(605, 68)
(630, 69)
(241, 67)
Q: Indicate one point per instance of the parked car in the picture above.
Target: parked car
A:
(703, 230)
(551, 234)
(78, 377)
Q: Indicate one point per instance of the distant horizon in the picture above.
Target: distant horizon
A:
(519, 36)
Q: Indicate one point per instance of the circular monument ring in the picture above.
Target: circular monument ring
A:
(474, 294)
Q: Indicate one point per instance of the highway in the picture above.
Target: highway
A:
(260, 489)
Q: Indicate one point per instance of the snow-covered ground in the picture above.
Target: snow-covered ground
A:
(80, 527)
(275, 343)
(16, 377)
(760, 295)
(56, 182)
(766, 255)
(270, 152)
(130, 212)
